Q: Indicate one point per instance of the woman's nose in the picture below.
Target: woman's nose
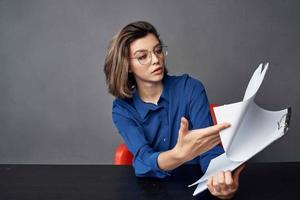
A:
(155, 58)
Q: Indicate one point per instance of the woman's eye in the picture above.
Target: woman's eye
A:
(158, 51)
(143, 57)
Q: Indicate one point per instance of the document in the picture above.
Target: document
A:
(252, 129)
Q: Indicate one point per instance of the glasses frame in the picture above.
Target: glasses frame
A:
(164, 50)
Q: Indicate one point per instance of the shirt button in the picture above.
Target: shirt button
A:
(165, 139)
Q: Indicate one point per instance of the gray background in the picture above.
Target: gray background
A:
(54, 106)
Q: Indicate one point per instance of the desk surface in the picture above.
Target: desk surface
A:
(55, 182)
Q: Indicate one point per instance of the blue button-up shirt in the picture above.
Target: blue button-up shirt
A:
(149, 129)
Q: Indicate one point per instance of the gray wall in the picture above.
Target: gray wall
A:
(54, 107)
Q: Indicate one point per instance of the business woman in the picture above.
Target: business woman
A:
(163, 119)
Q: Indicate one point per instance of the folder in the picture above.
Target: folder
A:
(252, 129)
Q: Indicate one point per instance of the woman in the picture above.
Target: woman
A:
(164, 120)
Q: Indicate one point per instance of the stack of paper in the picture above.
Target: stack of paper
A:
(252, 129)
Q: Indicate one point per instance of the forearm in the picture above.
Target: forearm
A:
(169, 160)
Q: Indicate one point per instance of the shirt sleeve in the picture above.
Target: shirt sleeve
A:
(145, 158)
(200, 117)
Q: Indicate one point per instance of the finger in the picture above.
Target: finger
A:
(216, 184)
(220, 127)
(229, 180)
(209, 145)
(215, 141)
(221, 180)
(203, 136)
(237, 172)
(184, 124)
(210, 186)
(214, 130)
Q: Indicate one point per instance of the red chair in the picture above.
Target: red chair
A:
(124, 157)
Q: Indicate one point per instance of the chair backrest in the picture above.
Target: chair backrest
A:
(212, 113)
(124, 157)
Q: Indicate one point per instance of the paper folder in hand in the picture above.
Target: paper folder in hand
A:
(252, 129)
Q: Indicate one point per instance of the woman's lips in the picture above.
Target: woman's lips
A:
(158, 70)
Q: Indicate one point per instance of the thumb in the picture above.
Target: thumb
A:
(184, 127)
(237, 172)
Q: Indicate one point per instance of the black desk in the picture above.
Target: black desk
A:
(64, 182)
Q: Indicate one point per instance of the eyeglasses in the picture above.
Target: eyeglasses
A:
(145, 57)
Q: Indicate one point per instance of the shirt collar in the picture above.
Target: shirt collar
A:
(143, 108)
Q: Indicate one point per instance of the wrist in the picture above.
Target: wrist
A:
(177, 155)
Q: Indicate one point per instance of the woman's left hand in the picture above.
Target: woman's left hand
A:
(224, 184)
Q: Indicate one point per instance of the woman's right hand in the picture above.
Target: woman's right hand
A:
(192, 143)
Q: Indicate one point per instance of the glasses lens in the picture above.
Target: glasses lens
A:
(145, 59)
(160, 51)
(165, 50)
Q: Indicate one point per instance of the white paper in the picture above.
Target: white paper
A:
(252, 129)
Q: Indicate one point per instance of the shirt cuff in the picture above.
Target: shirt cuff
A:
(154, 165)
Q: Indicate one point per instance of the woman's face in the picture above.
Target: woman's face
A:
(146, 60)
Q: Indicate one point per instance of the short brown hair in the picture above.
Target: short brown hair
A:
(120, 82)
